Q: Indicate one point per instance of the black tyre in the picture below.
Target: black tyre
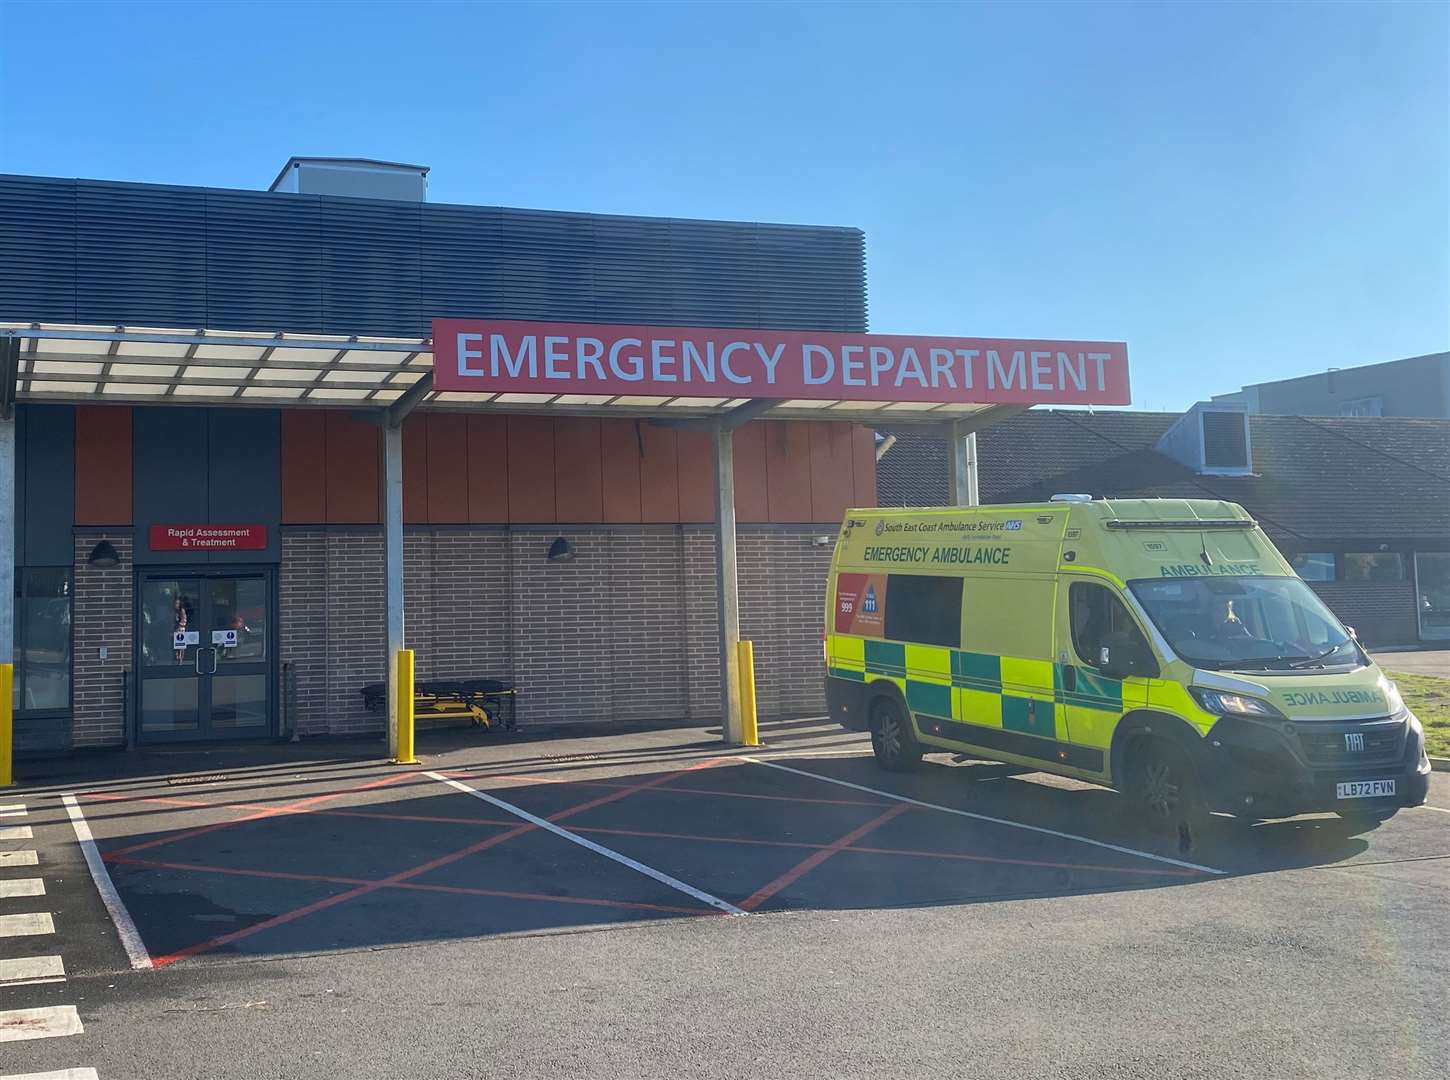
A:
(1165, 792)
(892, 738)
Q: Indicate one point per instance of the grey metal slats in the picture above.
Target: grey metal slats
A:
(37, 249)
(140, 254)
(264, 262)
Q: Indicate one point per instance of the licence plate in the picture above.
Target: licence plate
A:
(1364, 789)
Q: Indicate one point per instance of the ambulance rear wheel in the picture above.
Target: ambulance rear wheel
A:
(892, 739)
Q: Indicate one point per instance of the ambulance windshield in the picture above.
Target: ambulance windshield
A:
(1246, 623)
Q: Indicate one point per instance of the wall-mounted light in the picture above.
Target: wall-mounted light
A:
(822, 541)
(561, 550)
(104, 556)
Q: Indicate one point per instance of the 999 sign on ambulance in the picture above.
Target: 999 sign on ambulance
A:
(1161, 647)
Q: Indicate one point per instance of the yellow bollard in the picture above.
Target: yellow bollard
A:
(749, 731)
(404, 719)
(7, 724)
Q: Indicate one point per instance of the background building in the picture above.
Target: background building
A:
(1418, 386)
(1361, 506)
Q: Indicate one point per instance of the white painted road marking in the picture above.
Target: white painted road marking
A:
(17, 858)
(598, 849)
(62, 1074)
(1427, 806)
(16, 809)
(50, 1022)
(16, 832)
(27, 886)
(28, 924)
(984, 817)
(125, 927)
(31, 969)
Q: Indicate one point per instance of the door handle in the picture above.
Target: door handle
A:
(212, 669)
(1069, 677)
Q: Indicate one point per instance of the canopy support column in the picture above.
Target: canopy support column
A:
(964, 467)
(393, 558)
(727, 591)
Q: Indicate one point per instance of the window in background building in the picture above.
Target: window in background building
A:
(1314, 565)
(1365, 406)
(1432, 590)
(42, 639)
(1374, 566)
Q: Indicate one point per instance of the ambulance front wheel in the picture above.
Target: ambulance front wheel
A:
(892, 739)
(1164, 788)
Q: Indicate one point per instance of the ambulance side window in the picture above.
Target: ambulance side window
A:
(925, 610)
(1095, 613)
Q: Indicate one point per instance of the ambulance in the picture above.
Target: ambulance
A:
(1162, 647)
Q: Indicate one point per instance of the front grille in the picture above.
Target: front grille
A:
(1325, 744)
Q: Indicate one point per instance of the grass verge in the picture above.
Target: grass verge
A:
(1428, 698)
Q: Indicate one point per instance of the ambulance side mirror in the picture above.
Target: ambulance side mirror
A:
(1123, 655)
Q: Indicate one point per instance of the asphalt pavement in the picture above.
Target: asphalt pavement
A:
(337, 917)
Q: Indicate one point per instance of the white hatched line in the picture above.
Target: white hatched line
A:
(16, 832)
(17, 858)
(25, 886)
(598, 849)
(59, 1074)
(125, 927)
(984, 817)
(28, 924)
(50, 1022)
(15, 809)
(31, 969)
(1423, 806)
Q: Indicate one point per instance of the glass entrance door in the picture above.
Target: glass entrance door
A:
(1432, 594)
(204, 655)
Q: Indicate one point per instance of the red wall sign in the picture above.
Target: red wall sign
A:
(489, 356)
(208, 537)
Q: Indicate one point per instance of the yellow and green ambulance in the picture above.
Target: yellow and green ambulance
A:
(1159, 646)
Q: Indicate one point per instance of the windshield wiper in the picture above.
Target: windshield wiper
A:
(1309, 661)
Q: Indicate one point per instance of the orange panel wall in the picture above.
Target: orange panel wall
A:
(354, 470)
(751, 502)
(531, 469)
(415, 469)
(659, 475)
(697, 476)
(832, 483)
(863, 466)
(620, 461)
(788, 470)
(103, 465)
(304, 467)
(578, 477)
(447, 468)
(488, 468)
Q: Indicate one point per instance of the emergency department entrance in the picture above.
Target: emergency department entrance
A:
(205, 662)
(582, 423)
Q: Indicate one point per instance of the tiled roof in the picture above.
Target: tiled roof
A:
(1377, 478)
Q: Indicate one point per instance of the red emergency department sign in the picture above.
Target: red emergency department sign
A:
(488, 356)
(208, 537)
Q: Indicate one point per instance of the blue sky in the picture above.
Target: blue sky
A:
(1241, 192)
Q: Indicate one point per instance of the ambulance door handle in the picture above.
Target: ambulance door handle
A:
(1069, 678)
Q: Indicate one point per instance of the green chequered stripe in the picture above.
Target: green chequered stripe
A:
(885, 658)
(1093, 691)
(1029, 716)
(977, 671)
(847, 673)
(932, 698)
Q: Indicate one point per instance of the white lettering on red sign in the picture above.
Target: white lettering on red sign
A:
(557, 358)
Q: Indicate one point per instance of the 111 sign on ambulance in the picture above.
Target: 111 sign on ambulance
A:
(487, 356)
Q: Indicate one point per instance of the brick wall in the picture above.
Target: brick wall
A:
(1381, 612)
(102, 616)
(623, 631)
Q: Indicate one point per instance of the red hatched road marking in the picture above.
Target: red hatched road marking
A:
(810, 862)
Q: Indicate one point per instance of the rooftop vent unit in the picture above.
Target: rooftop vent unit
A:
(1212, 439)
(360, 178)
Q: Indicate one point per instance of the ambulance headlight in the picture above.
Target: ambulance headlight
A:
(1222, 703)
(1393, 701)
